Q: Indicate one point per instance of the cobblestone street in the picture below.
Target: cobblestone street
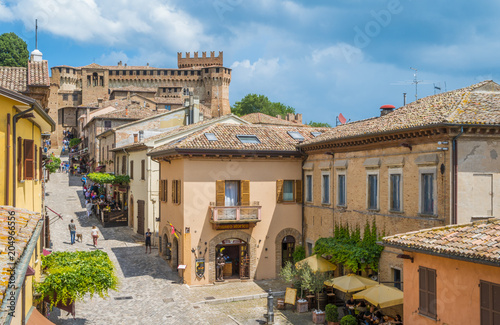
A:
(149, 291)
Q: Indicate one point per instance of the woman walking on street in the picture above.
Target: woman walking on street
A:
(95, 235)
(148, 241)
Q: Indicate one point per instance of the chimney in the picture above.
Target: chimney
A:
(120, 63)
(136, 138)
(99, 102)
(386, 109)
(278, 116)
(298, 118)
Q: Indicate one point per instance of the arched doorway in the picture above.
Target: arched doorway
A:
(284, 237)
(131, 212)
(166, 247)
(287, 249)
(237, 260)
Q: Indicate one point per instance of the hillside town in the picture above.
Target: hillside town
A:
(136, 195)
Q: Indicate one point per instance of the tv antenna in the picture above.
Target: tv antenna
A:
(415, 81)
(36, 33)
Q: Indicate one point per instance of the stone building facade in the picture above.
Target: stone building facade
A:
(416, 167)
(204, 76)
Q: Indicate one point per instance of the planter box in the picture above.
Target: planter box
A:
(319, 318)
(302, 306)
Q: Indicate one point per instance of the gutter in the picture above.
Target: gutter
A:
(454, 177)
(7, 159)
(20, 274)
(224, 152)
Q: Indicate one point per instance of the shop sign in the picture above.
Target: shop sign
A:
(230, 226)
(200, 267)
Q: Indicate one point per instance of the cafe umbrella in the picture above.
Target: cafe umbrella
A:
(350, 283)
(381, 296)
(317, 263)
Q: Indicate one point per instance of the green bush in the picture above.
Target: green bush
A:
(299, 254)
(106, 178)
(348, 320)
(72, 275)
(74, 142)
(332, 313)
(52, 163)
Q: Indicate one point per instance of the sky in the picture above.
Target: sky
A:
(321, 57)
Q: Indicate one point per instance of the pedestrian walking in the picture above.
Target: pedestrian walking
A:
(72, 231)
(95, 234)
(89, 208)
(84, 180)
(148, 241)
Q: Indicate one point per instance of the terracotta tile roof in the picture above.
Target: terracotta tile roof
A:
(260, 118)
(272, 138)
(132, 112)
(476, 104)
(169, 100)
(13, 78)
(38, 73)
(478, 241)
(26, 222)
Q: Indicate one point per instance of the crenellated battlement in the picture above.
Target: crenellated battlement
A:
(196, 61)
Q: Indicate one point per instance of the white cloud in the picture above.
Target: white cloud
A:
(260, 68)
(5, 13)
(123, 23)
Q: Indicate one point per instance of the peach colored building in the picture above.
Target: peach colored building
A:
(451, 274)
(235, 189)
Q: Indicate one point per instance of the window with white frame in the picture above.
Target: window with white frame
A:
(395, 189)
(341, 188)
(309, 188)
(325, 187)
(372, 190)
(427, 191)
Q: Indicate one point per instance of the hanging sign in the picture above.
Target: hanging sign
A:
(200, 267)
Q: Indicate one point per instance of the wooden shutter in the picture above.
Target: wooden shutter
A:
(28, 159)
(245, 192)
(131, 169)
(161, 191)
(124, 165)
(143, 169)
(35, 153)
(178, 190)
(173, 191)
(298, 191)
(220, 196)
(40, 167)
(427, 291)
(279, 190)
(165, 189)
(19, 159)
(431, 289)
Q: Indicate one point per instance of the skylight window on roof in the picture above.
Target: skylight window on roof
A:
(296, 135)
(315, 134)
(210, 137)
(248, 138)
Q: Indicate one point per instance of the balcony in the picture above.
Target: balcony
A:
(235, 214)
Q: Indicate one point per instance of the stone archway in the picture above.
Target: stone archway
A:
(228, 235)
(279, 239)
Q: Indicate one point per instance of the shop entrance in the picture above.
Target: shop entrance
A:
(237, 262)
(287, 249)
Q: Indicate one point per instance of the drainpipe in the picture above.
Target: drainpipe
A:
(14, 145)
(454, 185)
(7, 165)
(303, 203)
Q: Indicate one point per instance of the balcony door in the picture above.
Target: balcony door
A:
(232, 193)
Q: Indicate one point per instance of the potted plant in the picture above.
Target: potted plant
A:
(313, 281)
(294, 276)
(332, 314)
(348, 320)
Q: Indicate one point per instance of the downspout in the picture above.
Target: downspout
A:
(454, 185)
(14, 122)
(303, 202)
(7, 165)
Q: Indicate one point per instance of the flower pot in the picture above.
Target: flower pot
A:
(302, 306)
(318, 317)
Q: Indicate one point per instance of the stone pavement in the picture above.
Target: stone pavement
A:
(149, 291)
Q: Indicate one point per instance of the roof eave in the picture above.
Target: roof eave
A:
(184, 151)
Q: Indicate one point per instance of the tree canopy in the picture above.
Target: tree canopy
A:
(319, 124)
(253, 103)
(13, 51)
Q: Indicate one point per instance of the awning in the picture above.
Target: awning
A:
(36, 318)
(30, 271)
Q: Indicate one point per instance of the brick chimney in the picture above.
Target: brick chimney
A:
(136, 138)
